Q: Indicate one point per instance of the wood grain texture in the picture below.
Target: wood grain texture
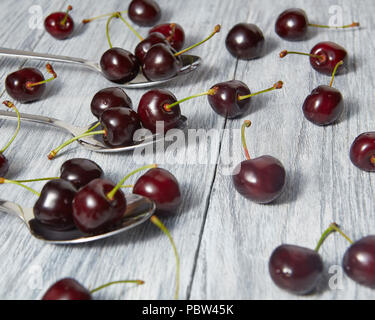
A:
(224, 241)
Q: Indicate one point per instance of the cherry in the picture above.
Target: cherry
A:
(362, 152)
(4, 163)
(119, 65)
(161, 62)
(298, 269)
(54, 206)
(60, 25)
(162, 187)
(27, 84)
(80, 172)
(173, 32)
(292, 24)
(151, 110)
(67, 289)
(359, 261)
(231, 99)
(100, 204)
(324, 56)
(145, 45)
(71, 289)
(262, 179)
(109, 98)
(324, 105)
(245, 41)
(120, 125)
(144, 12)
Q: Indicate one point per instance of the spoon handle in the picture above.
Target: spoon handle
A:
(43, 120)
(12, 208)
(49, 57)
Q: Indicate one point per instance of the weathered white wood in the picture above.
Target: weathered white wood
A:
(224, 240)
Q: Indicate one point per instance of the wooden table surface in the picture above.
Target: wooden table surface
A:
(224, 240)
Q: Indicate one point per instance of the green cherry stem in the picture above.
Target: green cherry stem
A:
(107, 28)
(127, 186)
(93, 127)
(246, 124)
(129, 26)
(35, 180)
(277, 85)
(84, 21)
(337, 229)
(12, 106)
(284, 53)
(352, 25)
(54, 152)
(216, 30)
(3, 181)
(50, 70)
(112, 193)
(139, 282)
(63, 21)
(340, 63)
(333, 227)
(211, 92)
(155, 220)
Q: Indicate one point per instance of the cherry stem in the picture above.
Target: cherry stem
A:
(324, 236)
(340, 63)
(84, 21)
(277, 85)
(40, 179)
(211, 92)
(107, 28)
(372, 160)
(112, 193)
(286, 52)
(63, 21)
(337, 229)
(129, 26)
(352, 25)
(93, 127)
(246, 124)
(216, 30)
(155, 220)
(54, 152)
(49, 70)
(12, 106)
(139, 282)
(173, 31)
(127, 186)
(2, 181)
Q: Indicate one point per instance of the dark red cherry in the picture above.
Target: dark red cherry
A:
(173, 32)
(142, 48)
(162, 187)
(80, 171)
(54, 206)
(144, 12)
(245, 41)
(359, 261)
(4, 165)
(67, 289)
(16, 85)
(93, 211)
(362, 152)
(59, 25)
(331, 54)
(109, 98)
(225, 101)
(151, 110)
(119, 65)
(323, 106)
(261, 179)
(295, 269)
(292, 24)
(120, 125)
(160, 63)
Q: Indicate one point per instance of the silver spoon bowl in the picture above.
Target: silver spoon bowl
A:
(189, 64)
(139, 209)
(95, 142)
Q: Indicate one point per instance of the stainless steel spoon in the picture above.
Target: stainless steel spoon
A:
(139, 209)
(93, 143)
(189, 64)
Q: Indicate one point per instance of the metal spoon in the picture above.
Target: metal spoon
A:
(93, 143)
(139, 209)
(189, 64)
